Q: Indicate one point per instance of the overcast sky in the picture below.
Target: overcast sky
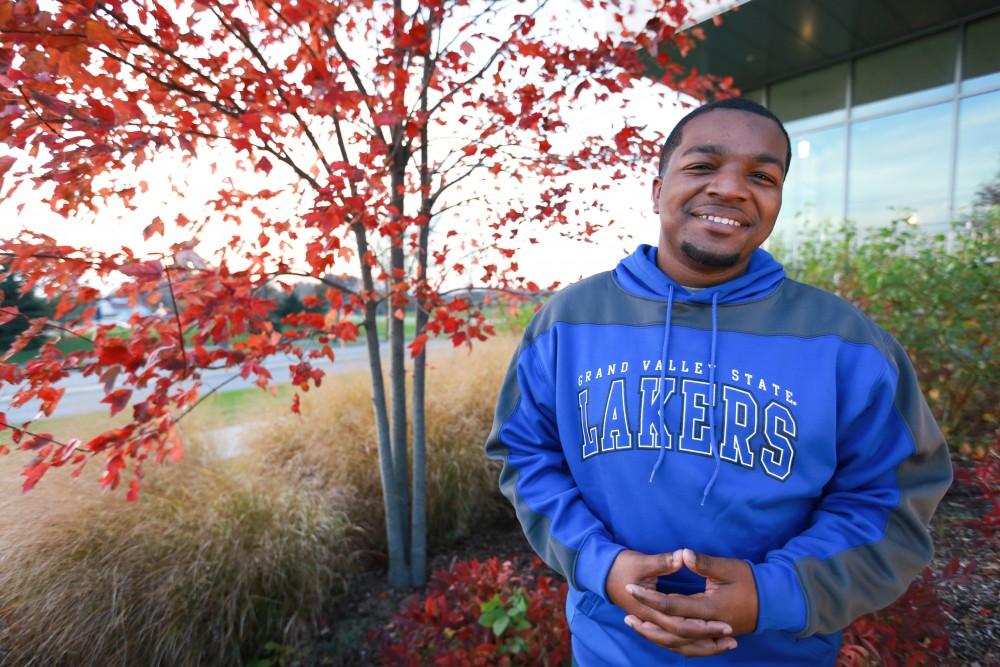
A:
(554, 259)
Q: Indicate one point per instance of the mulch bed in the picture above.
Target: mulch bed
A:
(972, 609)
(974, 614)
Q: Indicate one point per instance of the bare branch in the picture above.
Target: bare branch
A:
(356, 76)
(489, 62)
(177, 317)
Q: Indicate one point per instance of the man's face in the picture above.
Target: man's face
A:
(719, 196)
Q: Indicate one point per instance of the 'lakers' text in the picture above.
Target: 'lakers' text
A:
(620, 408)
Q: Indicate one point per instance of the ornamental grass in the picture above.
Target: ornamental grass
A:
(219, 561)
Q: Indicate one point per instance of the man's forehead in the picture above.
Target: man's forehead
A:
(723, 127)
(724, 132)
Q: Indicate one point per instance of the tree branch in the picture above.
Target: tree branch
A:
(489, 63)
(357, 80)
(177, 317)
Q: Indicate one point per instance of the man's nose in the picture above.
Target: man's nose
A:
(728, 183)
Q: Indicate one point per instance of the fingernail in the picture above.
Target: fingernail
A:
(630, 588)
(727, 630)
(731, 646)
(630, 621)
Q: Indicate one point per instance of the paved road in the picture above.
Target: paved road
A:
(83, 394)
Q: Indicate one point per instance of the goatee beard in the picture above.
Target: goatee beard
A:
(707, 258)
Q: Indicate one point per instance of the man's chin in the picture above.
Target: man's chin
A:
(709, 257)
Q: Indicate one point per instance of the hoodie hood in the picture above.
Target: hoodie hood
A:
(639, 274)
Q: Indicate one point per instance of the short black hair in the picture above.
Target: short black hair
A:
(734, 103)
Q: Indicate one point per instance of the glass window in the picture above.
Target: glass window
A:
(757, 95)
(900, 163)
(978, 164)
(814, 189)
(981, 60)
(819, 96)
(911, 73)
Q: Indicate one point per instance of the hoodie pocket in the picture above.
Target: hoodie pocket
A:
(587, 603)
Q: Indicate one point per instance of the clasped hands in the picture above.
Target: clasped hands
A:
(701, 624)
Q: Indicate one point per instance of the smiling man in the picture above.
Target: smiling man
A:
(723, 462)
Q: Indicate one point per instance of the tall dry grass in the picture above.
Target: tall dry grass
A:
(206, 568)
(217, 558)
(334, 445)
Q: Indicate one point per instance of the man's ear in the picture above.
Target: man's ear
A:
(655, 193)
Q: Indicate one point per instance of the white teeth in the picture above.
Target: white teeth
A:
(724, 221)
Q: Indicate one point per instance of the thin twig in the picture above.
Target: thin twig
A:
(177, 318)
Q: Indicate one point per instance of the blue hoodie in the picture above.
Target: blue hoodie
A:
(792, 435)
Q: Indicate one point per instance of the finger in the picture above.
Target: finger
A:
(677, 624)
(705, 565)
(682, 645)
(674, 604)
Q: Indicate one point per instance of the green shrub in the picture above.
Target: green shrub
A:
(205, 568)
(937, 295)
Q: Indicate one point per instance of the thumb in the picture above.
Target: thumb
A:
(712, 567)
(662, 564)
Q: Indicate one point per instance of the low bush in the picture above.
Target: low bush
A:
(481, 613)
(206, 567)
(984, 477)
(938, 295)
(911, 631)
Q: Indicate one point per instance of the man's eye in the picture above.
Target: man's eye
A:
(699, 167)
(764, 177)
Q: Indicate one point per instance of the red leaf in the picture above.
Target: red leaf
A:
(417, 346)
(108, 377)
(133, 491)
(32, 474)
(296, 406)
(251, 121)
(6, 163)
(387, 118)
(66, 451)
(99, 32)
(114, 352)
(264, 165)
(149, 271)
(50, 396)
(117, 399)
(155, 227)
(8, 313)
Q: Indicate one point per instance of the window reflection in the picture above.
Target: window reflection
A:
(901, 162)
(757, 95)
(911, 73)
(978, 162)
(981, 61)
(821, 96)
(814, 189)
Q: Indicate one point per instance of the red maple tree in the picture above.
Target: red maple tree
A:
(339, 103)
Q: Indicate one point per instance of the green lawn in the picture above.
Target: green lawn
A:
(218, 410)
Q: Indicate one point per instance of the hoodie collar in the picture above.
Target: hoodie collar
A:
(639, 274)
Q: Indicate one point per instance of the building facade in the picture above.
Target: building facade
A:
(893, 107)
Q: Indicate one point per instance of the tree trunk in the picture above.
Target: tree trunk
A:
(397, 369)
(398, 158)
(395, 511)
(418, 519)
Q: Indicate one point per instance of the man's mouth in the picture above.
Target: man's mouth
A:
(721, 220)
